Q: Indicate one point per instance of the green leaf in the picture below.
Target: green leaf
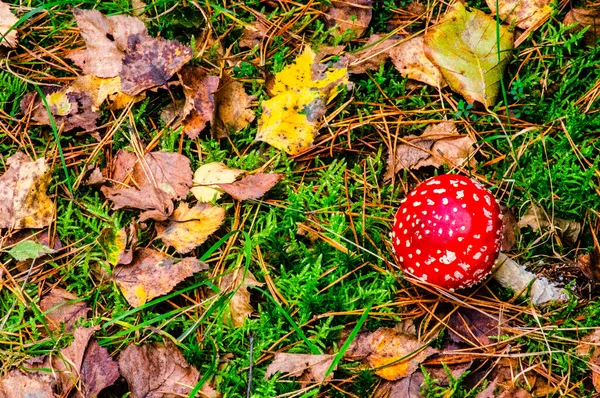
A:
(471, 51)
(28, 250)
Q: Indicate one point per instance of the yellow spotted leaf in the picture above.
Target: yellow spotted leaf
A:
(188, 228)
(301, 90)
(97, 88)
(464, 47)
(59, 103)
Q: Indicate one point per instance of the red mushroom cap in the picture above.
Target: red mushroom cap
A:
(448, 232)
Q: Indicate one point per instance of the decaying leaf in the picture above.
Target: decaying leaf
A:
(63, 307)
(254, 32)
(350, 15)
(98, 371)
(473, 327)
(232, 108)
(8, 37)
(70, 110)
(106, 41)
(188, 228)
(18, 385)
(151, 62)
(537, 219)
(589, 345)
(23, 199)
(289, 119)
(585, 17)
(439, 144)
(375, 52)
(152, 274)
(239, 306)
(155, 181)
(199, 88)
(407, 387)
(207, 178)
(157, 371)
(385, 346)
(251, 187)
(589, 264)
(509, 229)
(410, 60)
(98, 89)
(523, 13)
(113, 244)
(465, 49)
(307, 368)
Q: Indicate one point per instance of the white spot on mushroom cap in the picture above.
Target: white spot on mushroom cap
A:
(440, 231)
(424, 212)
(454, 209)
(404, 211)
(397, 241)
(476, 236)
(436, 270)
(464, 205)
(460, 194)
(476, 256)
(418, 251)
(433, 182)
(411, 270)
(448, 258)
(424, 277)
(458, 275)
(475, 197)
(430, 202)
(407, 243)
(487, 213)
(439, 190)
(464, 266)
(445, 201)
(487, 200)
(461, 238)
(429, 260)
(416, 204)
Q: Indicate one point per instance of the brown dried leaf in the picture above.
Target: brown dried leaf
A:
(352, 15)
(98, 371)
(589, 264)
(151, 62)
(442, 139)
(590, 345)
(7, 20)
(407, 387)
(410, 60)
(254, 32)
(69, 110)
(386, 345)
(524, 13)
(375, 52)
(537, 219)
(585, 17)
(239, 306)
(152, 274)
(307, 368)
(157, 371)
(472, 327)
(23, 199)
(251, 187)
(63, 308)
(19, 385)
(232, 108)
(156, 180)
(199, 88)
(188, 228)
(509, 228)
(106, 41)
(98, 89)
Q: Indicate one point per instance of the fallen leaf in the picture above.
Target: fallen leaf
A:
(350, 15)
(63, 307)
(523, 13)
(473, 327)
(94, 176)
(69, 110)
(374, 53)
(289, 119)
(18, 385)
(207, 178)
(239, 306)
(118, 245)
(189, 228)
(385, 346)
(537, 219)
(410, 60)
(23, 199)
(465, 48)
(252, 186)
(589, 346)
(98, 371)
(589, 264)
(254, 32)
(157, 180)
(157, 371)
(106, 40)
(97, 88)
(7, 20)
(308, 368)
(585, 17)
(232, 108)
(440, 144)
(29, 250)
(151, 62)
(199, 88)
(509, 228)
(152, 274)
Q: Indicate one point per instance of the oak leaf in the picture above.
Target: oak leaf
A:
(152, 274)
(106, 40)
(8, 37)
(350, 15)
(239, 306)
(23, 199)
(188, 228)
(308, 368)
(301, 90)
(394, 352)
(157, 371)
(465, 48)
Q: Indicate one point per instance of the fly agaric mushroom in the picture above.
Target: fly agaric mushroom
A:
(448, 232)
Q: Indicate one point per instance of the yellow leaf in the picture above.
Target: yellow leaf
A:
(97, 88)
(207, 178)
(59, 103)
(189, 228)
(301, 90)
